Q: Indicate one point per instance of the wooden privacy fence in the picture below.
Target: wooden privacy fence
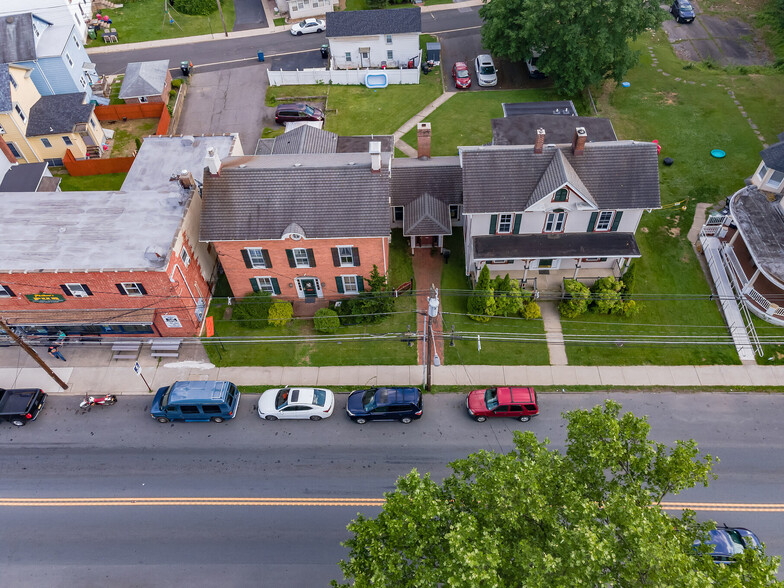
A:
(94, 167)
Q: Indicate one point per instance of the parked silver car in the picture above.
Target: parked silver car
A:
(485, 71)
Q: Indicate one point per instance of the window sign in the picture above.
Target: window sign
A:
(45, 298)
(172, 321)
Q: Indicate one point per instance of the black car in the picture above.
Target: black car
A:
(682, 10)
(385, 404)
(727, 542)
(297, 112)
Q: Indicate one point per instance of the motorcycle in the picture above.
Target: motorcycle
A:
(89, 401)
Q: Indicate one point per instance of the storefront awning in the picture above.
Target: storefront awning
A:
(113, 316)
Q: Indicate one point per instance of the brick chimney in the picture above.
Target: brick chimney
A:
(578, 143)
(423, 140)
(212, 162)
(375, 156)
(539, 145)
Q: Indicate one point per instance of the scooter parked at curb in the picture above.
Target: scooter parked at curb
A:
(89, 401)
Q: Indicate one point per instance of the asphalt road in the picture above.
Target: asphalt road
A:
(115, 453)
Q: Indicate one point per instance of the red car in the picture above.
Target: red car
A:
(461, 76)
(517, 403)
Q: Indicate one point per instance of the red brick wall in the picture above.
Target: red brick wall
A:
(163, 295)
(371, 251)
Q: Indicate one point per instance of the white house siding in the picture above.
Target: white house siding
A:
(309, 8)
(577, 221)
(404, 46)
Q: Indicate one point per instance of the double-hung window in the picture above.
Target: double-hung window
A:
(555, 222)
(131, 289)
(185, 257)
(350, 285)
(346, 255)
(301, 257)
(604, 220)
(256, 257)
(505, 223)
(77, 290)
(389, 39)
(45, 142)
(265, 284)
(348, 56)
(67, 140)
(20, 112)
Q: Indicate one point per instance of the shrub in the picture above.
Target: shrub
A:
(326, 320)
(531, 311)
(176, 83)
(252, 311)
(280, 314)
(481, 304)
(172, 93)
(138, 142)
(606, 295)
(576, 302)
(629, 279)
(197, 7)
(370, 306)
(627, 308)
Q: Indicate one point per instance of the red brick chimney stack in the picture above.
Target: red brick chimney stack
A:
(423, 140)
(578, 143)
(539, 145)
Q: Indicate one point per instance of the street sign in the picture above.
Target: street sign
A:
(137, 369)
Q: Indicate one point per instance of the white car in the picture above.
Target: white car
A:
(485, 71)
(296, 403)
(309, 25)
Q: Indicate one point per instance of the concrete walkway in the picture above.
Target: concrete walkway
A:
(414, 120)
(553, 333)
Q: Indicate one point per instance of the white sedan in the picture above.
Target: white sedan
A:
(296, 403)
(309, 25)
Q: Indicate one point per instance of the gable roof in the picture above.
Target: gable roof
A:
(144, 78)
(558, 173)
(17, 42)
(303, 139)
(5, 88)
(328, 195)
(58, 113)
(440, 177)
(773, 156)
(616, 174)
(356, 23)
(25, 177)
(426, 216)
(521, 130)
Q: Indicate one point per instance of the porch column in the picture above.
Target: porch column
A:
(732, 239)
(412, 240)
(577, 267)
(525, 272)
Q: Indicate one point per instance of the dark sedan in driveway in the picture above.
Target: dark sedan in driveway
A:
(682, 10)
(384, 404)
(296, 113)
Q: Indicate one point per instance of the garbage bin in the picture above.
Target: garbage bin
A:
(261, 55)
(185, 67)
(91, 32)
(325, 51)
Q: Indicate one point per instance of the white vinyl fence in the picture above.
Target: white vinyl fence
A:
(345, 77)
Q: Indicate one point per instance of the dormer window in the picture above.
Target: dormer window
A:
(762, 172)
(561, 195)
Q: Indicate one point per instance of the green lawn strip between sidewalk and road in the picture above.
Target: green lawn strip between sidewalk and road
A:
(313, 352)
(144, 20)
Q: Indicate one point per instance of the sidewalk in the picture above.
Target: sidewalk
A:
(92, 371)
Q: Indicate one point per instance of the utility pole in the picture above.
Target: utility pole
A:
(32, 354)
(220, 10)
(432, 313)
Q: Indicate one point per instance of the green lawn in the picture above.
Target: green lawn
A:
(465, 118)
(71, 183)
(454, 286)
(312, 352)
(144, 20)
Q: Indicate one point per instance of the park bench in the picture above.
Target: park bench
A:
(126, 350)
(165, 347)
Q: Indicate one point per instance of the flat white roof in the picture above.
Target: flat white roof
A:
(63, 231)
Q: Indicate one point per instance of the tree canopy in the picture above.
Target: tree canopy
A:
(581, 42)
(589, 516)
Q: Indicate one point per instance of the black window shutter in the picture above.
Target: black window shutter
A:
(275, 286)
(616, 220)
(254, 284)
(121, 289)
(592, 222)
(355, 255)
(335, 257)
(493, 224)
(311, 259)
(246, 258)
(87, 290)
(66, 291)
(265, 255)
(360, 283)
(339, 282)
(9, 291)
(141, 289)
(290, 255)
(518, 218)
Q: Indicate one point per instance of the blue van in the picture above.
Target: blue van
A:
(196, 401)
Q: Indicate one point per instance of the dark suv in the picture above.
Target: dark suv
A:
(682, 10)
(297, 112)
(384, 404)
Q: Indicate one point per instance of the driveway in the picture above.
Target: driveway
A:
(727, 42)
(228, 101)
(249, 14)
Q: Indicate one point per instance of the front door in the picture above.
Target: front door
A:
(364, 57)
(308, 287)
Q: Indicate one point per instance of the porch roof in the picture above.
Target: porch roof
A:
(760, 223)
(559, 245)
(426, 216)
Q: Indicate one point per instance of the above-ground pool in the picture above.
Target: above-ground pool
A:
(376, 80)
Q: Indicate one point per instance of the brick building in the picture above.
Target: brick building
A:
(299, 225)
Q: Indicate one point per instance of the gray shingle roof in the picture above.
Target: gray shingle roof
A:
(329, 196)
(58, 113)
(303, 139)
(521, 130)
(355, 23)
(144, 78)
(617, 174)
(440, 177)
(551, 245)
(5, 88)
(24, 177)
(557, 107)
(426, 216)
(773, 156)
(17, 42)
(361, 143)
